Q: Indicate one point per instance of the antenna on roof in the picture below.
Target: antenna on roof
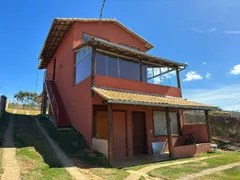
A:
(101, 12)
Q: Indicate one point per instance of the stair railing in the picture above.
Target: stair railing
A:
(53, 103)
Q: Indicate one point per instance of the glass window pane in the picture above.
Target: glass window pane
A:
(124, 69)
(155, 80)
(156, 71)
(101, 64)
(170, 79)
(159, 120)
(174, 122)
(134, 71)
(86, 37)
(112, 66)
(83, 68)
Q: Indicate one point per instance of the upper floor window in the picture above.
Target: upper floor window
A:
(87, 37)
(159, 75)
(83, 64)
(117, 67)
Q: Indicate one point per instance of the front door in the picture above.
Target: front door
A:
(119, 134)
(139, 133)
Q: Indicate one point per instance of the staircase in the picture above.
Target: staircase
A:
(58, 110)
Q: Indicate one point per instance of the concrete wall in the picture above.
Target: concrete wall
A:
(100, 145)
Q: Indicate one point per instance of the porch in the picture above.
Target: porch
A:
(130, 134)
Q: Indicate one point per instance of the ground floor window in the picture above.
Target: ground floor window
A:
(159, 123)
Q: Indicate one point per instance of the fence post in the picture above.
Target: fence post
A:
(3, 103)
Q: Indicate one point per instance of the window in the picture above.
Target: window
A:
(159, 75)
(160, 126)
(83, 64)
(116, 67)
(87, 37)
(174, 122)
(112, 66)
(194, 117)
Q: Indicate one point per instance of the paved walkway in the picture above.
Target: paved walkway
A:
(67, 163)
(210, 171)
(135, 175)
(10, 166)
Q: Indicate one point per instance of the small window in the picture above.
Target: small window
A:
(87, 37)
(160, 126)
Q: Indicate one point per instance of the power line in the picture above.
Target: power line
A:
(101, 12)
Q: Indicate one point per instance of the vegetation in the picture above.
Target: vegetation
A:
(74, 144)
(177, 171)
(24, 111)
(109, 173)
(230, 174)
(26, 99)
(36, 158)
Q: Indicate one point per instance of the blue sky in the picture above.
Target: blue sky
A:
(205, 34)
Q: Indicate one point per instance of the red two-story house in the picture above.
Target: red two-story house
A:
(100, 80)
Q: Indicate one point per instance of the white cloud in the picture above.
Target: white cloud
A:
(225, 97)
(192, 75)
(236, 69)
(204, 63)
(231, 32)
(208, 76)
(203, 31)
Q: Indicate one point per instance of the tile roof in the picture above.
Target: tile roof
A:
(138, 98)
(105, 46)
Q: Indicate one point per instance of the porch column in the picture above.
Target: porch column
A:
(93, 68)
(179, 81)
(169, 133)
(110, 133)
(208, 127)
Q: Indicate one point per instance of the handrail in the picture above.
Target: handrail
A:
(51, 97)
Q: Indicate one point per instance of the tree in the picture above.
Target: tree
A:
(27, 99)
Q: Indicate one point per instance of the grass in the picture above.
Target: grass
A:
(36, 158)
(135, 168)
(73, 144)
(177, 171)
(229, 174)
(109, 173)
(33, 112)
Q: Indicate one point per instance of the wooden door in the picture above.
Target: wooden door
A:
(119, 134)
(139, 133)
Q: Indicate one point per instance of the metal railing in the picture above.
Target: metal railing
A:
(53, 103)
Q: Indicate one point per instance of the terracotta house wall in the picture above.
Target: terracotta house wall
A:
(199, 132)
(76, 98)
(112, 82)
(109, 31)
